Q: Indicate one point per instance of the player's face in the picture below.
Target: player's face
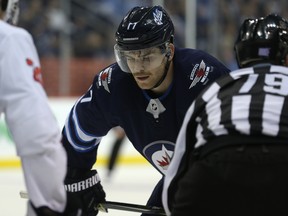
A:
(147, 79)
(147, 66)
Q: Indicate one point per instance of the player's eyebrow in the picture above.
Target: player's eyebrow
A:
(140, 53)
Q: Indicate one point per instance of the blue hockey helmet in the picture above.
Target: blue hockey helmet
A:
(141, 31)
(144, 27)
(263, 40)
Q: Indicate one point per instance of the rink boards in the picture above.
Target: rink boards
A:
(61, 108)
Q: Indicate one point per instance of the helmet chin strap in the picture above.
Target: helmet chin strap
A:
(164, 74)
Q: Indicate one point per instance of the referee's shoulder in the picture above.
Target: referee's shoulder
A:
(279, 68)
(242, 71)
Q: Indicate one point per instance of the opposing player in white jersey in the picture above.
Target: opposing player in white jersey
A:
(28, 116)
(231, 155)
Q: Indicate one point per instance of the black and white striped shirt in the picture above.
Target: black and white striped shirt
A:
(250, 101)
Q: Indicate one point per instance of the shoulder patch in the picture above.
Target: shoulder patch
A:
(104, 78)
(37, 75)
(200, 73)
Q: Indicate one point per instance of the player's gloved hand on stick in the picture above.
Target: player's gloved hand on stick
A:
(86, 186)
(73, 208)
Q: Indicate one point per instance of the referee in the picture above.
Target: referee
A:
(231, 155)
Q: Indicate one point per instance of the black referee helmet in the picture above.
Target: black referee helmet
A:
(263, 40)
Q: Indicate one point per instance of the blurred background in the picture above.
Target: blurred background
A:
(75, 38)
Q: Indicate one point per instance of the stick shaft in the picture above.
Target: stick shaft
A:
(120, 206)
(133, 207)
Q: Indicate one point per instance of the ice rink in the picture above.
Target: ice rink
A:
(129, 183)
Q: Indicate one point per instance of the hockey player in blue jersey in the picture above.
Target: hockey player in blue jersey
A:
(147, 92)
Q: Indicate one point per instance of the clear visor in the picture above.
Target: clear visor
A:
(133, 61)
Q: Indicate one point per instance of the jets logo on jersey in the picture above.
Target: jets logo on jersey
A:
(159, 153)
(200, 73)
(104, 78)
(37, 75)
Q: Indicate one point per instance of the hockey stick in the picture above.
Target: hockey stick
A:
(121, 206)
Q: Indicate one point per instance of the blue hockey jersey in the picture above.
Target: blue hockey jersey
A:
(151, 123)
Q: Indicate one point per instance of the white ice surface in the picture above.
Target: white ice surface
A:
(128, 183)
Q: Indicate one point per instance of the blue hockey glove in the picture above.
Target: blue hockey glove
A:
(86, 186)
